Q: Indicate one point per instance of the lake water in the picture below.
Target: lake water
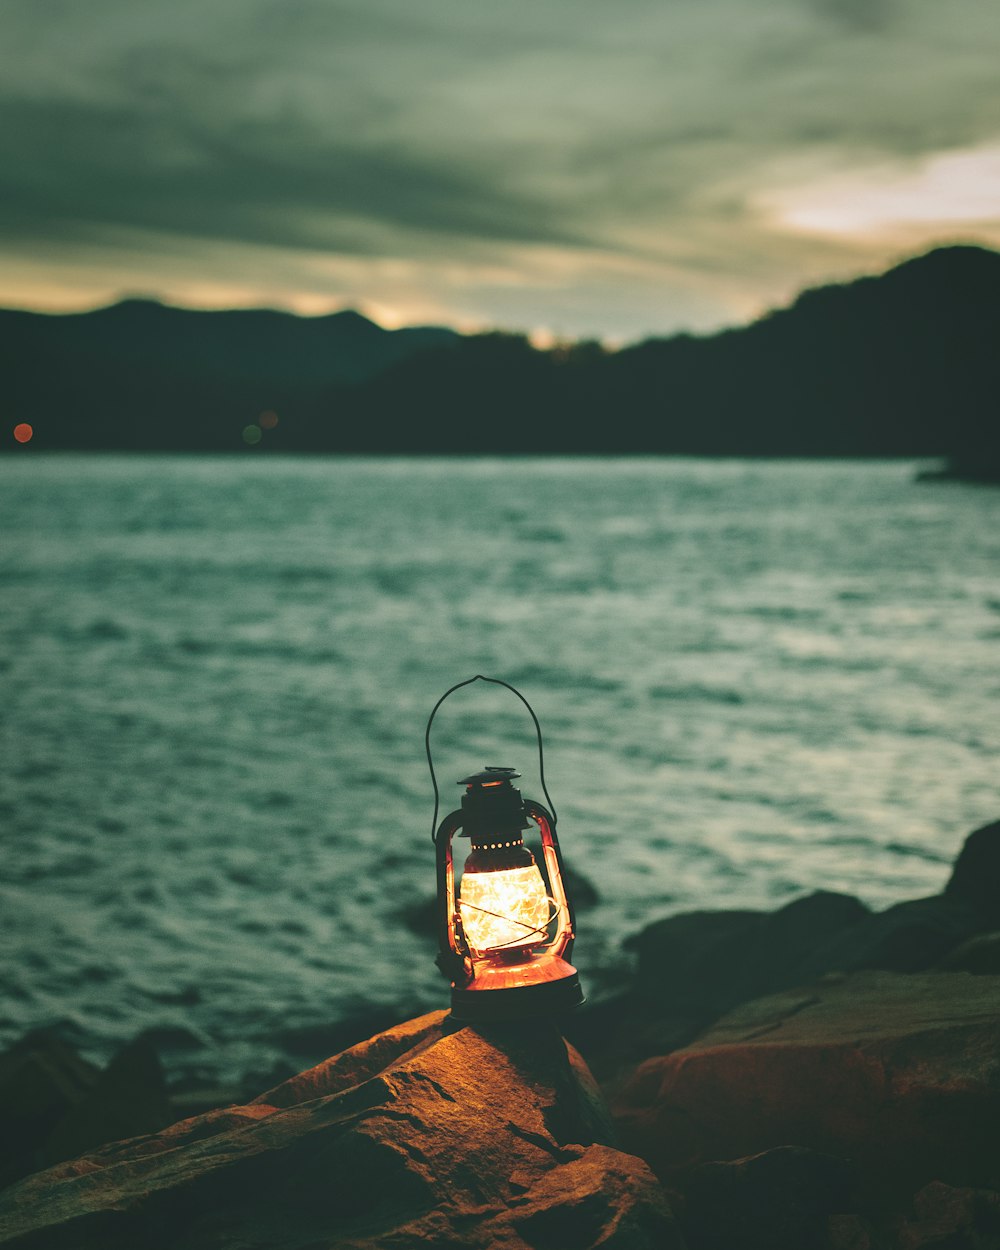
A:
(755, 679)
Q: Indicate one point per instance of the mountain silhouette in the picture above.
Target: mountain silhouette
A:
(143, 375)
(903, 363)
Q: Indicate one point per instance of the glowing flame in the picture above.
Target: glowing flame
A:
(504, 909)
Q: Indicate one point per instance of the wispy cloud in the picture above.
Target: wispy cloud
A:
(590, 168)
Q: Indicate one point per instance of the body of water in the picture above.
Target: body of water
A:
(755, 679)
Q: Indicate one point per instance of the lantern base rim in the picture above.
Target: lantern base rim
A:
(547, 998)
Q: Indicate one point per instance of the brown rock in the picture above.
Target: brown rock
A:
(778, 1200)
(846, 1231)
(977, 870)
(603, 1198)
(694, 965)
(129, 1097)
(681, 957)
(54, 1105)
(41, 1081)
(899, 1074)
(617, 1033)
(358, 1063)
(428, 1134)
(713, 960)
(907, 937)
(949, 1218)
(980, 955)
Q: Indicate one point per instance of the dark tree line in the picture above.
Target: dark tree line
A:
(906, 363)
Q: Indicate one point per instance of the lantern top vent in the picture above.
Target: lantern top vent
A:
(491, 807)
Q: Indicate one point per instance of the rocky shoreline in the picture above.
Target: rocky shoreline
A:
(821, 1077)
(982, 469)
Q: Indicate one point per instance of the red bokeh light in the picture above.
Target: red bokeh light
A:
(267, 420)
(23, 432)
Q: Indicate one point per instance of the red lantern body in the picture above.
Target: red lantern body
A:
(505, 936)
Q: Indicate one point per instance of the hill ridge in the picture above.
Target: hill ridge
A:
(900, 363)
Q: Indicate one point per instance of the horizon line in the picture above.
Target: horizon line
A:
(542, 338)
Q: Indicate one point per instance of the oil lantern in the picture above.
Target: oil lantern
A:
(505, 929)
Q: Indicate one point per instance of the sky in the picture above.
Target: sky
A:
(569, 168)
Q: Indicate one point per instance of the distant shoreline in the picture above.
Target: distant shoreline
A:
(896, 366)
(985, 475)
(287, 453)
(927, 470)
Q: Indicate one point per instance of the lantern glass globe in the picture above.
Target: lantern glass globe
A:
(507, 909)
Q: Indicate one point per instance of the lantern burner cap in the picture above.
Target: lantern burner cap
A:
(490, 776)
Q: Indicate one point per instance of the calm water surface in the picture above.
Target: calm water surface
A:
(755, 679)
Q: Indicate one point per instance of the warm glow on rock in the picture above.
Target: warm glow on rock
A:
(504, 909)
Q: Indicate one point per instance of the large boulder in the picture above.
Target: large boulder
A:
(907, 937)
(977, 871)
(709, 961)
(429, 1134)
(782, 1199)
(41, 1081)
(945, 1217)
(128, 1098)
(693, 966)
(979, 954)
(921, 933)
(54, 1104)
(900, 1074)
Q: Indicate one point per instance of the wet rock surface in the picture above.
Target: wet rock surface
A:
(818, 1078)
(858, 1113)
(853, 1109)
(899, 1074)
(423, 1135)
(693, 967)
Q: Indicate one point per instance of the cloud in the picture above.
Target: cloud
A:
(951, 189)
(584, 151)
(865, 16)
(255, 183)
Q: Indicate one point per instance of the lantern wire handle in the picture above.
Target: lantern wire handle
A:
(427, 742)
